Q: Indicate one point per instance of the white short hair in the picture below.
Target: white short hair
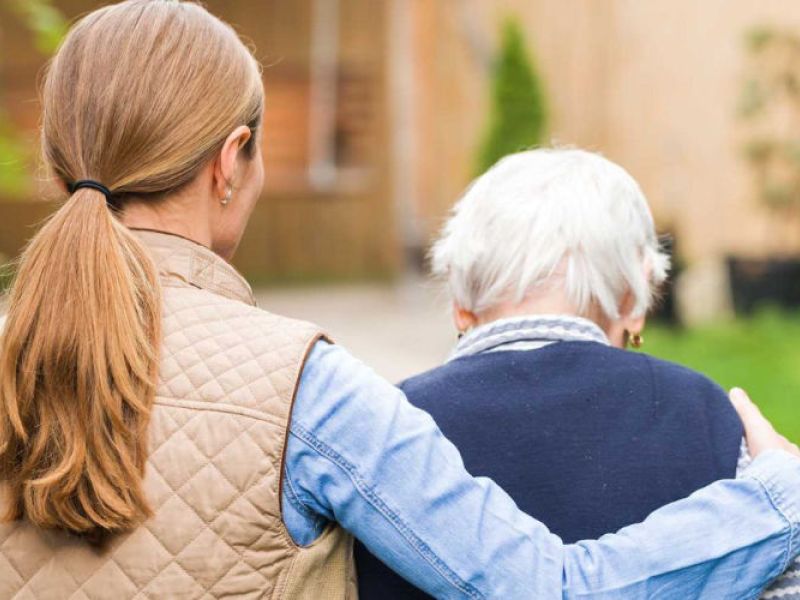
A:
(542, 214)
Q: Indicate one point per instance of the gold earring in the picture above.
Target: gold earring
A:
(227, 198)
(637, 340)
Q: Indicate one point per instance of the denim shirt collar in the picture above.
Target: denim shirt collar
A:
(527, 333)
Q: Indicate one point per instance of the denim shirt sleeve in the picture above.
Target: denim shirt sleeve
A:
(361, 455)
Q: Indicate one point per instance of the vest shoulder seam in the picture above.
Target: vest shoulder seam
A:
(201, 405)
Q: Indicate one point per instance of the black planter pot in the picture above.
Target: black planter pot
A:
(758, 282)
(665, 311)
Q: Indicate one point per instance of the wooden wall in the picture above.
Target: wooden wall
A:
(654, 85)
(297, 231)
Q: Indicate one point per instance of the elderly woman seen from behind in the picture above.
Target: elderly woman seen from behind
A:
(552, 261)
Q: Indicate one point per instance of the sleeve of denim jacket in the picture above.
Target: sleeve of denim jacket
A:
(361, 455)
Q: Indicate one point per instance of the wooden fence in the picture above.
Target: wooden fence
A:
(291, 237)
(297, 232)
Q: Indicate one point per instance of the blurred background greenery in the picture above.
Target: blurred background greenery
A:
(760, 354)
(518, 114)
(46, 26)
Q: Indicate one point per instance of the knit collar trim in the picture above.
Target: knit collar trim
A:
(527, 333)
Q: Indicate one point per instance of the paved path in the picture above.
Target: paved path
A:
(399, 330)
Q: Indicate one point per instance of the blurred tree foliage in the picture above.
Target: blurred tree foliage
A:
(518, 118)
(47, 26)
(770, 103)
(14, 152)
(44, 20)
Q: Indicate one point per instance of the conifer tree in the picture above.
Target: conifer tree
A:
(518, 116)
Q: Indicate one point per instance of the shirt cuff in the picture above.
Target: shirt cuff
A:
(779, 473)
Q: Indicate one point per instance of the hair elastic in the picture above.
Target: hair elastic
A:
(88, 183)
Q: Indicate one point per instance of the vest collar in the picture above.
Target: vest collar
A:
(528, 333)
(180, 259)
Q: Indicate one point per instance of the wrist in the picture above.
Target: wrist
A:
(779, 472)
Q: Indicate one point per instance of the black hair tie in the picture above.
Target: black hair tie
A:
(88, 183)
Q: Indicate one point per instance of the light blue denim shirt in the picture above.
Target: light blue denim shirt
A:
(361, 455)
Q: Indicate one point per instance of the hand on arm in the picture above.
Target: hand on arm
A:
(761, 436)
(758, 431)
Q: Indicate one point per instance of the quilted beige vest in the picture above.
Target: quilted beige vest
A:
(229, 372)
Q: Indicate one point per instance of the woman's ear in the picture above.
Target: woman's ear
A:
(632, 324)
(629, 327)
(464, 319)
(635, 325)
(620, 330)
(225, 165)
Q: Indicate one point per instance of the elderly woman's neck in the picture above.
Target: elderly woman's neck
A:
(522, 310)
(552, 303)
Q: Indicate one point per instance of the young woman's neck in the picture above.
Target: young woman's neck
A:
(178, 214)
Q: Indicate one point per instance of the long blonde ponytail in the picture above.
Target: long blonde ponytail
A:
(139, 97)
(79, 367)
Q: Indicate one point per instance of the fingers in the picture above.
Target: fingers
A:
(760, 433)
(743, 405)
(749, 413)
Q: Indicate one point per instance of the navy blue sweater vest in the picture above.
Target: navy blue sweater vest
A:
(585, 437)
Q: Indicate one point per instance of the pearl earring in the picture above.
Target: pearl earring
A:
(227, 198)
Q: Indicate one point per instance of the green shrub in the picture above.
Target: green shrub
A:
(46, 23)
(47, 27)
(518, 117)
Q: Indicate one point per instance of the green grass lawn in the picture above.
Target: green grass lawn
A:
(760, 354)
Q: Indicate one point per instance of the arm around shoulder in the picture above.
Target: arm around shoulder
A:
(361, 455)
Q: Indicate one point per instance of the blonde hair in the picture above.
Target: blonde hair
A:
(140, 96)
